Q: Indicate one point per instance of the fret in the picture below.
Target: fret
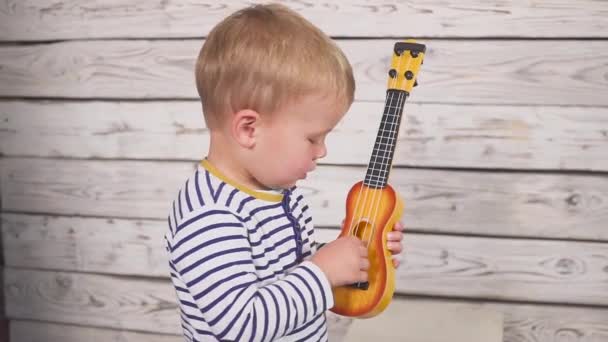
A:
(382, 143)
(388, 127)
(388, 131)
(379, 170)
(390, 134)
(378, 148)
(382, 157)
(373, 177)
(391, 129)
(384, 165)
(376, 185)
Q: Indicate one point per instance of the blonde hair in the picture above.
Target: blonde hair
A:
(264, 56)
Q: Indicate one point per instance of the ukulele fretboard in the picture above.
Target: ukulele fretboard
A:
(384, 148)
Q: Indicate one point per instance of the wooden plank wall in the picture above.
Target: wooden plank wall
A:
(503, 159)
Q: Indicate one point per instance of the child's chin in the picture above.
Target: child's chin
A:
(291, 184)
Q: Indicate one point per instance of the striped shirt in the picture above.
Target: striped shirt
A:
(239, 263)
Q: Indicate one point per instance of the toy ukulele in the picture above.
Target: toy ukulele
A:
(372, 206)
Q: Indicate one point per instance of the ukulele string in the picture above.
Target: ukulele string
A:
(368, 190)
(376, 175)
(373, 163)
(393, 137)
(384, 165)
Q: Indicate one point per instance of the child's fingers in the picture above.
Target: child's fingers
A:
(399, 226)
(396, 261)
(395, 236)
(394, 247)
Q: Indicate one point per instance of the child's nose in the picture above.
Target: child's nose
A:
(321, 152)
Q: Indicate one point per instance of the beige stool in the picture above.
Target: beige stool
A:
(423, 321)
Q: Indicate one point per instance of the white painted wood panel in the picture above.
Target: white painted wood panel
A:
(95, 245)
(96, 300)
(70, 19)
(87, 300)
(482, 136)
(433, 265)
(82, 239)
(407, 321)
(462, 71)
(31, 331)
(484, 203)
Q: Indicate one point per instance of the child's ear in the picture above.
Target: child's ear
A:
(244, 125)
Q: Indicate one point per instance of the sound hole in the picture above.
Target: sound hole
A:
(363, 232)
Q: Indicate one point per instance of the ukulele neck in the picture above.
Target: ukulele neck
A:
(386, 140)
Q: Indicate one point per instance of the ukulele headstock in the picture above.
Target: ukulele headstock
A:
(405, 64)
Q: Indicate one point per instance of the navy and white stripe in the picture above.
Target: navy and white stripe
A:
(238, 262)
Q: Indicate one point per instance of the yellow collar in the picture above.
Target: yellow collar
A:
(263, 195)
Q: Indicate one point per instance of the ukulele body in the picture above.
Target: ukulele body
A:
(370, 214)
(372, 205)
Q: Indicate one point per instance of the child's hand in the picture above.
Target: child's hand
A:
(344, 261)
(393, 242)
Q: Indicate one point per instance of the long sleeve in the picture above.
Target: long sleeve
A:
(212, 254)
(303, 216)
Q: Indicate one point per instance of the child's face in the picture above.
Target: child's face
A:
(290, 143)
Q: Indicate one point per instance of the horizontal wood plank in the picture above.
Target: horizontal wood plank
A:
(463, 71)
(433, 265)
(70, 19)
(31, 331)
(95, 300)
(87, 300)
(432, 135)
(4, 327)
(463, 202)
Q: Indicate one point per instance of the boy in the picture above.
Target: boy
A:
(243, 256)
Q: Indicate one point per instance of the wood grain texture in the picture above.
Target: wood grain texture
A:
(410, 321)
(463, 136)
(96, 300)
(526, 270)
(463, 71)
(94, 245)
(525, 323)
(86, 299)
(462, 202)
(4, 322)
(513, 85)
(433, 265)
(70, 19)
(29, 331)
